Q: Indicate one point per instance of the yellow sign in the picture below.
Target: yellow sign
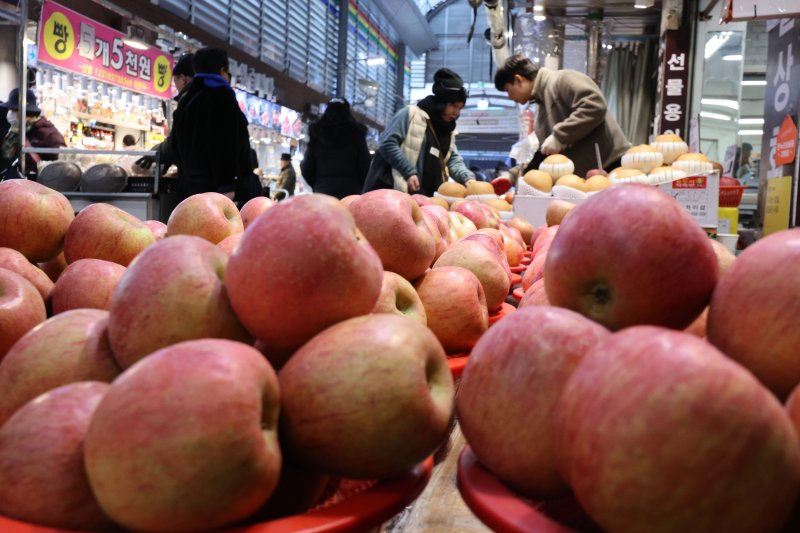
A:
(59, 36)
(776, 207)
(163, 74)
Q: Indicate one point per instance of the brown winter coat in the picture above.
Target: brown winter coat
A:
(572, 108)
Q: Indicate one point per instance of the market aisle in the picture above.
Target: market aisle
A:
(439, 508)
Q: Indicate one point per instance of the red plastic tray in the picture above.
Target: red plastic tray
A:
(516, 279)
(361, 512)
(518, 293)
(519, 269)
(457, 363)
(505, 309)
(504, 511)
(526, 260)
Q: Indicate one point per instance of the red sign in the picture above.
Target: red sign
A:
(693, 182)
(72, 42)
(786, 147)
(674, 83)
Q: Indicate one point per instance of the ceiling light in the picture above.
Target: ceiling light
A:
(135, 44)
(751, 132)
(759, 121)
(538, 8)
(376, 61)
(642, 4)
(754, 82)
(510, 34)
(483, 104)
(733, 57)
(539, 18)
(721, 102)
(716, 116)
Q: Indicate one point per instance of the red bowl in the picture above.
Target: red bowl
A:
(457, 362)
(361, 512)
(519, 269)
(505, 309)
(504, 511)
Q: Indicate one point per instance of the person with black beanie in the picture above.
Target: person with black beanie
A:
(418, 148)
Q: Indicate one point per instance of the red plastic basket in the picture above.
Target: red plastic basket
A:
(730, 195)
(357, 506)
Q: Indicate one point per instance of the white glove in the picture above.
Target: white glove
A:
(551, 146)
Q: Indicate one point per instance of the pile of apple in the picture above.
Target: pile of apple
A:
(224, 366)
(611, 385)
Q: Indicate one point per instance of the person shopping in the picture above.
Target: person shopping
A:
(337, 159)
(39, 133)
(287, 178)
(572, 115)
(418, 148)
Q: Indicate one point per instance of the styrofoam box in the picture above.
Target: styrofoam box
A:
(702, 201)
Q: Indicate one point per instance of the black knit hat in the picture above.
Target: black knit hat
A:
(286, 157)
(184, 66)
(448, 87)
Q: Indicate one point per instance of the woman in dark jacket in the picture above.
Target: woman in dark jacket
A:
(337, 159)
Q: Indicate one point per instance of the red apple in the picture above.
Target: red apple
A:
(86, 283)
(41, 461)
(54, 267)
(725, 258)
(69, 347)
(657, 430)
(398, 297)
(347, 200)
(173, 292)
(472, 210)
(514, 234)
(104, 231)
(21, 308)
(727, 181)
(493, 241)
(557, 210)
(596, 172)
(16, 262)
(210, 215)
(484, 263)
(534, 295)
(525, 228)
(591, 266)
(158, 228)
(509, 390)
(455, 305)
(187, 439)
(394, 225)
(33, 219)
(441, 215)
(253, 208)
(421, 199)
(492, 215)
(367, 398)
(229, 243)
(287, 278)
(459, 226)
(439, 242)
(752, 316)
(514, 252)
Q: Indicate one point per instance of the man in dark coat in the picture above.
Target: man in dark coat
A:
(337, 159)
(209, 135)
(288, 178)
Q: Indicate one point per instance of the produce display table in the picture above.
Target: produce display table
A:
(440, 507)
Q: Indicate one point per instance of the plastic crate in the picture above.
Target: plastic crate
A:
(730, 195)
(147, 184)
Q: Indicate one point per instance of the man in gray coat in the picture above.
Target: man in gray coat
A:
(572, 115)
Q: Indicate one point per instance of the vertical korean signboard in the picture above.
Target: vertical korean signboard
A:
(72, 42)
(673, 105)
(777, 171)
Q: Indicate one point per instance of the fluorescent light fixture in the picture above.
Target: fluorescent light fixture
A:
(483, 104)
(751, 132)
(510, 34)
(539, 18)
(27, 41)
(642, 4)
(733, 57)
(758, 121)
(135, 44)
(538, 7)
(752, 83)
(376, 61)
(715, 116)
(536, 60)
(721, 102)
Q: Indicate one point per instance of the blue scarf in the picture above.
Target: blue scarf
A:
(213, 81)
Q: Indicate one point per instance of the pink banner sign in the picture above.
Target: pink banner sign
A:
(72, 42)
